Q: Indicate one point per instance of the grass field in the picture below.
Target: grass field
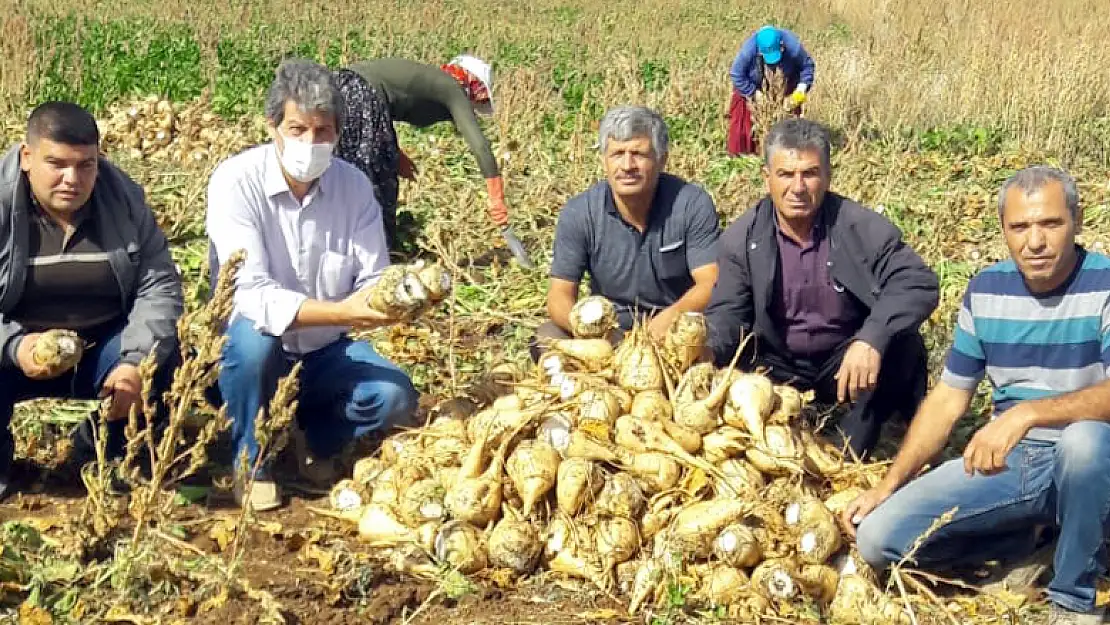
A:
(933, 106)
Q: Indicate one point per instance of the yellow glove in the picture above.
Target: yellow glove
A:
(798, 98)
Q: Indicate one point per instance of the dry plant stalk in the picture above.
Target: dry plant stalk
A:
(200, 330)
(201, 340)
(769, 109)
(101, 512)
(271, 431)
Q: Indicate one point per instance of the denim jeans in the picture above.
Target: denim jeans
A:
(347, 389)
(1065, 483)
(83, 382)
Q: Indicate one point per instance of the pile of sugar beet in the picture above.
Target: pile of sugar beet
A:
(634, 468)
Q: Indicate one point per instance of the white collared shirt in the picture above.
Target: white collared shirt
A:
(325, 247)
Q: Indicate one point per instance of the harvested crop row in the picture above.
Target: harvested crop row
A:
(157, 129)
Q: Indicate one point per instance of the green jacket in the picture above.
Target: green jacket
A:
(422, 95)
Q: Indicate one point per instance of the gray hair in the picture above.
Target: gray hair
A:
(796, 133)
(625, 123)
(309, 85)
(1034, 178)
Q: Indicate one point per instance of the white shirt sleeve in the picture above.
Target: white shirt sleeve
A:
(234, 222)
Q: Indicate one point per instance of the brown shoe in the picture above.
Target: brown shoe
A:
(1021, 576)
(320, 472)
(1062, 616)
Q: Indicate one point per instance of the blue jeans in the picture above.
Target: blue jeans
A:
(1066, 484)
(83, 382)
(346, 390)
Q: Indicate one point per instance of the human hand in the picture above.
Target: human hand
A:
(862, 506)
(124, 385)
(661, 322)
(988, 448)
(26, 360)
(360, 315)
(498, 210)
(859, 371)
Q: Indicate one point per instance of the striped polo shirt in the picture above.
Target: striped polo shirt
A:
(1029, 345)
(70, 283)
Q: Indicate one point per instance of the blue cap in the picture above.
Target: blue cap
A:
(769, 42)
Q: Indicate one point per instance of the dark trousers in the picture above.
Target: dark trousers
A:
(903, 377)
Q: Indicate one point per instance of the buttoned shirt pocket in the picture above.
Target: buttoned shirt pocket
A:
(672, 261)
(336, 279)
(134, 253)
(126, 265)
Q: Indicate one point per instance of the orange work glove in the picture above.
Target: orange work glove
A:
(498, 211)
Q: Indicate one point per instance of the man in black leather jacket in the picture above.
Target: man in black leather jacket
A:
(834, 297)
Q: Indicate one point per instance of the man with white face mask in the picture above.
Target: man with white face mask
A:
(312, 231)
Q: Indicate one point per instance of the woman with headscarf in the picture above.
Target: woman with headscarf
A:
(382, 91)
(770, 48)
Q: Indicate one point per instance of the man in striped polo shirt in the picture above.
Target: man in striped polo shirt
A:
(1037, 327)
(80, 250)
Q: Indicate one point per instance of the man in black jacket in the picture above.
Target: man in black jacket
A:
(833, 295)
(80, 250)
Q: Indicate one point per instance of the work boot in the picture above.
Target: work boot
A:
(1058, 615)
(1023, 574)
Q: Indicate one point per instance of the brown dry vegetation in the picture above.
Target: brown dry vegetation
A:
(1033, 71)
(934, 103)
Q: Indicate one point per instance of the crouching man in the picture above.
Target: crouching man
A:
(647, 238)
(80, 250)
(313, 235)
(1038, 327)
(831, 292)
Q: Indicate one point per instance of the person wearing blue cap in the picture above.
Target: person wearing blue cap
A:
(769, 47)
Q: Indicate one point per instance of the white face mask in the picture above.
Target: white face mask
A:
(304, 161)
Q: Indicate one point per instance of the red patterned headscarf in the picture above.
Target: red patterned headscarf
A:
(473, 87)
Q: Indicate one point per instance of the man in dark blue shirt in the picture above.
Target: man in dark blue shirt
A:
(648, 239)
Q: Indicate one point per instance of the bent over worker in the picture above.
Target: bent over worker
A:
(770, 49)
(383, 91)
